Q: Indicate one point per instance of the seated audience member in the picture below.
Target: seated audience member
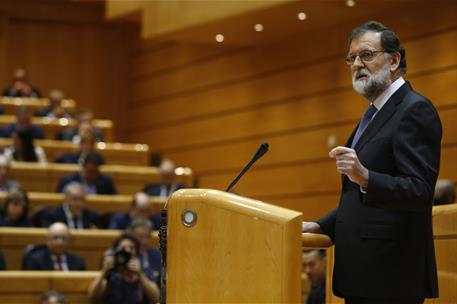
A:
(2, 261)
(140, 209)
(121, 279)
(24, 149)
(21, 86)
(444, 192)
(55, 108)
(90, 177)
(167, 184)
(73, 211)
(5, 182)
(86, 146)
(54, 255)
(15, 209)
(23, 121)
(150, 258)
(85, 124)
(52, 297)
(314, 265)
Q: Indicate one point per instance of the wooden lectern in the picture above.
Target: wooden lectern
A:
(224, 248)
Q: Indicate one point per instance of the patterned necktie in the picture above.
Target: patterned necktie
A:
(366, 119)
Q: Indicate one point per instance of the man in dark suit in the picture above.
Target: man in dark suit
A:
(167, 184)
(73, 211)
(140, 209)
(90, 177)
(23, 121)
(54, 256)
(382, 228)
(86, 146)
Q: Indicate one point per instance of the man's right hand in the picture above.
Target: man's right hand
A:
(311, 227)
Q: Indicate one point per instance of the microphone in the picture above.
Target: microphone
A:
(258, 154)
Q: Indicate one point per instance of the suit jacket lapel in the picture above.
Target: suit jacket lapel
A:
(383, 115)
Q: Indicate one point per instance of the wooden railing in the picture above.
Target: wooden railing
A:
(127, 179)
(114, 153)
(90, 244)
(52, 126)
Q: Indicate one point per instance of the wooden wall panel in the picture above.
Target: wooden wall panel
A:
(87, 60)
(210, 110)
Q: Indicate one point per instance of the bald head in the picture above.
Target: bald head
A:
(55, 97)
(167, 172)
(58, 238)
(20, 75)
(141, 206)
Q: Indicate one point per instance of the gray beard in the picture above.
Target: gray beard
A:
(374, 85)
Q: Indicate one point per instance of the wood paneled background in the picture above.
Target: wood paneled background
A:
(70, 47)
(209, 107)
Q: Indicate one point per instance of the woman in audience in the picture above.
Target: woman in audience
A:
(23, 148)
(121, 279)
(15, 209)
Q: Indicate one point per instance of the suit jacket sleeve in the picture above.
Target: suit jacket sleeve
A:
(416, 153)
(327, 223)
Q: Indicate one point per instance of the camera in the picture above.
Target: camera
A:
(121, 259)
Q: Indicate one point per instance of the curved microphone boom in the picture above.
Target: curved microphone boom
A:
(258, 154)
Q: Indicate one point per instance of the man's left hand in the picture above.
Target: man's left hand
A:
(348, 163)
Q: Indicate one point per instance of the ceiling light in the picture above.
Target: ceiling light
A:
(301, 16)
(258, 27)
(350, 3)
(220, 38)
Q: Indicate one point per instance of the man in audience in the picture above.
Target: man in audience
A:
(140, 209)
(54, 256)
(444, 192)
(24, 122)
(55, 108)
(85, 124)
(121, 279)
(52, 297)
(6, 183)
(73, 211)
(21, 86)
(86, 146)
(90, 177)
(167, 184)
(314, 265)
(150, 258)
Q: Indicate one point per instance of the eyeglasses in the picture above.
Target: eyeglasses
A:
(365, 56)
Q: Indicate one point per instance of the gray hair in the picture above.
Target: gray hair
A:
(72, 188)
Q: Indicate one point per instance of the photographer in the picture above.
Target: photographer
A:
(121, 279)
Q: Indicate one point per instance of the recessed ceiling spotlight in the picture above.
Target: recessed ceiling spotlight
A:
(301, 16)
(350, 3)
(258, 27)
(220, 38)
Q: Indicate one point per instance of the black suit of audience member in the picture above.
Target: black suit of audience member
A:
(21, 86)
(57, 214)
(2, 261)
(75, 158)
(23, 122)
(41, 259)
(90, 176)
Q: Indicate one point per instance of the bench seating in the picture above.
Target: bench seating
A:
(89, 243)
(52, 126)
(36, 177)
(114, 153)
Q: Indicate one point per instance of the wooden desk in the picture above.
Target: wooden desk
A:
(128, 179)
(11, 103)
(90, 244)
(114, 153)
(26, 287)
(52, 126)
(100, 203)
